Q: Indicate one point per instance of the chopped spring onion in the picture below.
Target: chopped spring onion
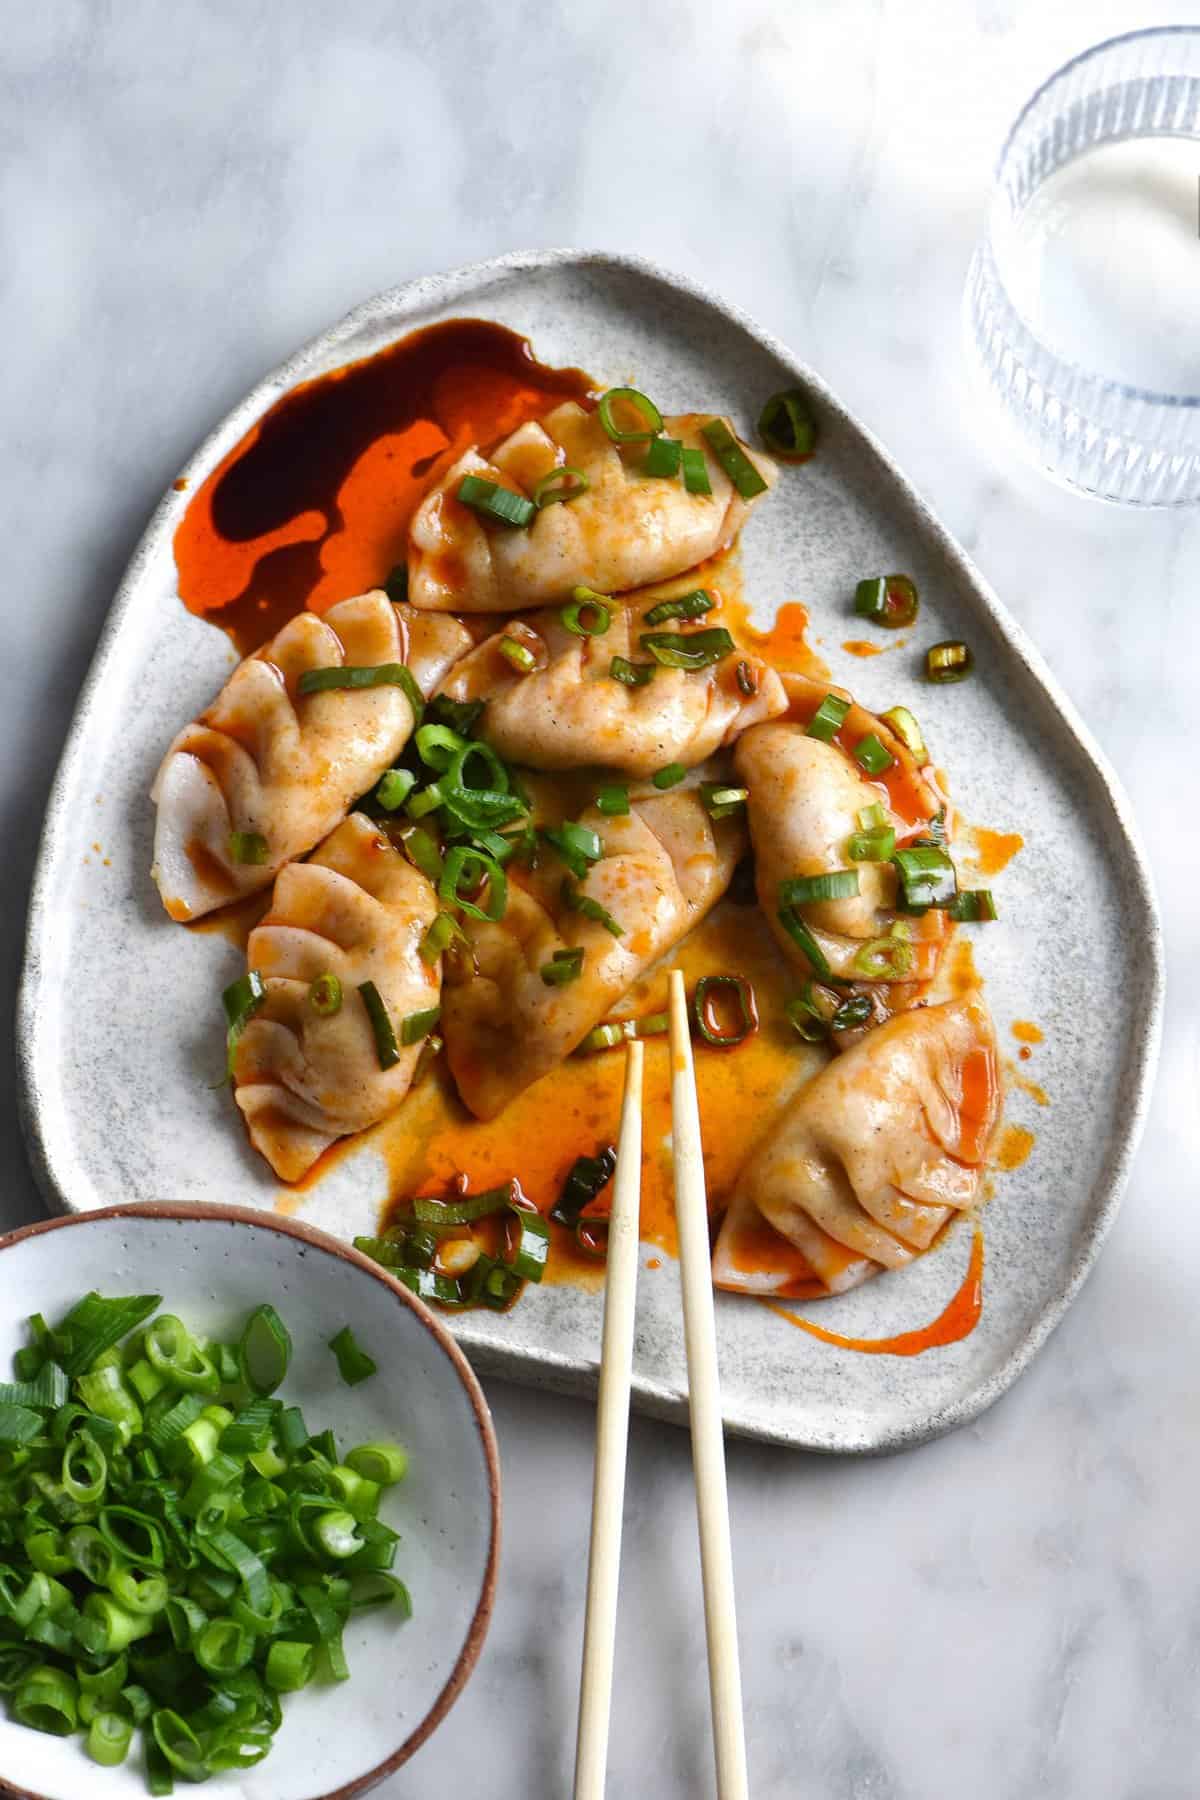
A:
(575, 901)
(803, 890)
(491, 501)
(438, 936)
(807, 1016)
(586, 1179)
(320, 681)
(264, 1350)
(18, 1424)
(95, 1324)
(871, 756)
(706, 1016)
(686, 606)
(248, 847)
(669, 777)
(927, 876)
(467, 1210)
(631, 674)
(519, 655)
(563, 483)
(587, 614)
(663, 457)
(354, 1365)
(564, 967)
(109, 1737)
(438, 745)
(949, 661)
(417, 1025)
(461, 715)
(386, 1048)
(241, 1000)
(467, 868)
(801, 936)
(854, 1011)
(577, 845)
(383, 1463)
(890, 600)
(973, 906)
(787, 427)
(393, 788)
(695, 471)
(747, 678)
(937, 833)
(527, 1245)
(902, 722)
(647, 420)
(720, 802)
(884, 959)
(396, 585)
(422, 851)
(325, 996)
(828, 719)
(871, 846)
(622, 1031)
(613, 801)
(693, 650)
(733, 459)
(171, 1350)
(425, 800)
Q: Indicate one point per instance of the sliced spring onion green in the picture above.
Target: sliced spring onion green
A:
(466, 867)
(417, 1025)
(806, 1018)
(951, 660)
(325, 996)
(733, 459)
(437, 937)
(669, 777)
(577, 901)
(96, 1324)
(787, 427)
(438, 745)
(871, 846)
(241, 1000)
(800, 935)
(563, 483)
(354, 1364)
(720, 802)
(686, 606)
(587, 1178)
(828, 719)
(172, 1351)
(248, 847)
(527, 1245)
(613, 801)
(803, 890)
(379, 1462)
(461, 715)
(890, 600)
(927, 876)
(631, 674)
(564, 967)
(663, 457)
(394, 787)
(18, 1424)
(386, 1048)
(710, 994)
(691, 650)
(519, 655)
(647, 420)
(902, 722)
(499, 504)
(321, 681)
(621, 1031)
(854, 1011)
(264, 1351)
(695, 471)
(871, 756)
(587, 614)
(577, 845)
(973, 906)
(109, 1737)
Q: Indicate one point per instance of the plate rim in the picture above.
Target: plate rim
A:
(398, 304)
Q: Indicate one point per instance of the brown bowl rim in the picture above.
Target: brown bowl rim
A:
(468, 1656)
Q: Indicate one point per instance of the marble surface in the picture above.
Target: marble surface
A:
(187, 193)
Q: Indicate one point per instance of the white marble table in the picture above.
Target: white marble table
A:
(190, 191)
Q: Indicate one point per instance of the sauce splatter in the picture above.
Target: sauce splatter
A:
(993, 850)
(1014, 1148)
(956, 1322)
(785, 643)
(860, 647)
(313, 504)
(1026, 1032)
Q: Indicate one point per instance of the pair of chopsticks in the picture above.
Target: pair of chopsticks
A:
(612, 1427)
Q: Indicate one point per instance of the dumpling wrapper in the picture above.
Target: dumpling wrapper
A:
(568, 713)
(665, 865)
(356, 909)
(626, 531)
(865, 1166)
(264, 759)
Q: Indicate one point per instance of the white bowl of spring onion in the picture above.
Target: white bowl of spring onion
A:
(303, 1612)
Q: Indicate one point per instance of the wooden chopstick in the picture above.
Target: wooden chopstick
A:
(704, 1401)
(612, 1437)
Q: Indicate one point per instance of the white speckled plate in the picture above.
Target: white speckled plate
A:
(119, 1025)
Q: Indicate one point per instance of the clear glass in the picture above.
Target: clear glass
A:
(1082, 305)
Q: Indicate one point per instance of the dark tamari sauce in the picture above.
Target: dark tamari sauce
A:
(314, 502)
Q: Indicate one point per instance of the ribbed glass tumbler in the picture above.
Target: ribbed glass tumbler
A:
(1095, 357)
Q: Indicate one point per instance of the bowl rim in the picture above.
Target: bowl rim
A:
(468, 1656)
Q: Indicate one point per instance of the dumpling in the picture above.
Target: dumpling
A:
(866, 1165)
(263, 761)
(627, 530)
(568, 713)
(805, 799)
(664, 866)
(357, 909)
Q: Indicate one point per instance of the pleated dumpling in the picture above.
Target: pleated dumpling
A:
(356, 910)
(866, 1165)
(569, 712)
(265, 772)
(807, 796)
(627, 530)
(664, 865)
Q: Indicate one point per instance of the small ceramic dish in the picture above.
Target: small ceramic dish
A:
(212, 1264)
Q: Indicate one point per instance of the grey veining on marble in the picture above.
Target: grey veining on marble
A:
(186, 194)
